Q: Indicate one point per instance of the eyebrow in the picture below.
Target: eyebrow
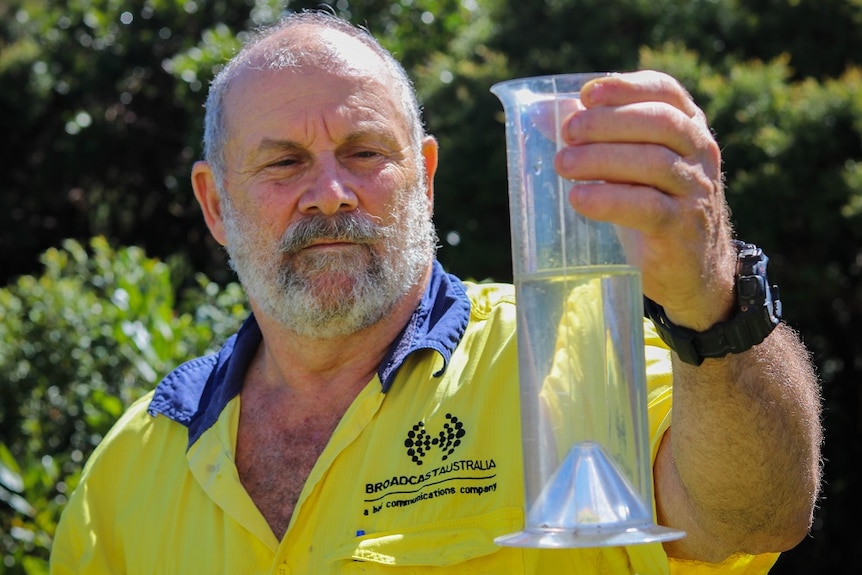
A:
(386, 137)
(270, 144)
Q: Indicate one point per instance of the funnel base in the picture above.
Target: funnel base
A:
(589, 537)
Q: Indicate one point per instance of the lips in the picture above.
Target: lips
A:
(330, 244)
(338, 230)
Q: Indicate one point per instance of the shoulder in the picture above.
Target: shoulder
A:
(488, 299)
(136, 432)
(140, 455)
(493, 323)
(140, 451)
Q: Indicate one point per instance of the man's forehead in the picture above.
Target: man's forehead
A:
(321, 47)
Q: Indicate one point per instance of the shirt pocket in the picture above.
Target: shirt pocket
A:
(463, 545)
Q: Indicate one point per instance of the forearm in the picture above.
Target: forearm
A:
(740, 468)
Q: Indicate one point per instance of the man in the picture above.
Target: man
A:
(346, 426)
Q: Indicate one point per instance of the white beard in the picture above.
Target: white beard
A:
(333, 293)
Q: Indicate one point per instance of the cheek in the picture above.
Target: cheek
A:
(253, 233)
(270, 210)
(389, 190)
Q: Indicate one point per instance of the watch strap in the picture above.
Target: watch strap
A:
(758, 311)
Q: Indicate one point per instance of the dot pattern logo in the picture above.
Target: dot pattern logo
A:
(420, 441)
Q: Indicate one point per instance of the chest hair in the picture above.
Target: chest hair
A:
(277, 447)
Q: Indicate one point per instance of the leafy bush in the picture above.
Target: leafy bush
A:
(78, 344)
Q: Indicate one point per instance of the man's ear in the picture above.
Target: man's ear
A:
(203, 183)
(430, 154)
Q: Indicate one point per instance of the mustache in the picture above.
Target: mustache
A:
(343, 226)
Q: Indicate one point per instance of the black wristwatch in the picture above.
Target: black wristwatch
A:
(758, 311)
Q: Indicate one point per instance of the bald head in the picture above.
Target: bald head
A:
(314, 40)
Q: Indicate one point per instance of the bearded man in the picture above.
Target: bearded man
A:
(352, 422)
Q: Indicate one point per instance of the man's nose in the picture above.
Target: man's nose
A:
(329, 188)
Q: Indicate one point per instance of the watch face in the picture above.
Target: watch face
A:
(750, 291)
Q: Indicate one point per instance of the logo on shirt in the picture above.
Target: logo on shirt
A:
(419, 441)
(447, 472)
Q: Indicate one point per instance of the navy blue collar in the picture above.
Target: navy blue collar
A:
(195, 393)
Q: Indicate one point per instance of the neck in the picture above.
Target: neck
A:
(308, 365)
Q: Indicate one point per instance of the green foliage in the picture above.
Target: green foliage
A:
(95, 331)
(410, 29)
(508, 39)
(106, 114)
(101, 126)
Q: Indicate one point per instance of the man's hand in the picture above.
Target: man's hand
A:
(643, 136)
(739, 468)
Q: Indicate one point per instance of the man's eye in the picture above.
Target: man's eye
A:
(284, 162)
(366, 154)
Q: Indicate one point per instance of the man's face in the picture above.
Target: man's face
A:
(327, 210)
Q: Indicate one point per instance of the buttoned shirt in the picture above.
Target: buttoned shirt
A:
(422, 473)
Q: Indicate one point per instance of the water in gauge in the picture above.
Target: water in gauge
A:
(581, 361)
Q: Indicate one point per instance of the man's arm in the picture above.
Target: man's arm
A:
(739, 469)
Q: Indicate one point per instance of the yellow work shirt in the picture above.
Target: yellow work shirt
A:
(423, 471)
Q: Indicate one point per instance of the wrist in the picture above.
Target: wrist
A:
(756, 312)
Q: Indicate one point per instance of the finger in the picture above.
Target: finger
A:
(642, 86)
(677, 247)
(650, 165)
(632, 206)
(644, 122)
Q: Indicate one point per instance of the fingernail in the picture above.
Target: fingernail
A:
(593, 92)
(566, 159)
(571, 128)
